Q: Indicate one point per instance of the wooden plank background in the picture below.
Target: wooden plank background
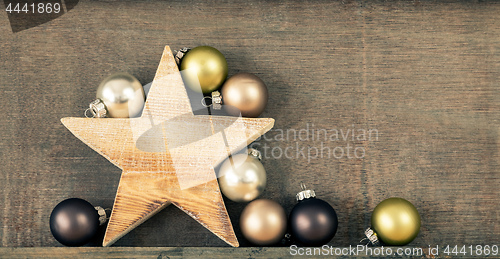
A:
(424, 74)
(163, 252)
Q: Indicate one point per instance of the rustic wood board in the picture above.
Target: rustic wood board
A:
(176, 252)
(185, 252)
(423, 73)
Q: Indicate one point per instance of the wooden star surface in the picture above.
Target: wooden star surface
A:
(168, 156)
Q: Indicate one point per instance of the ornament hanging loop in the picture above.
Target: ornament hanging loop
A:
(97, 108)
(204, 102)
(363, 241)
(216, 100)
(87, 115)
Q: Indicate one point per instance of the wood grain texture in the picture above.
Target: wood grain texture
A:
(168, 156)
(184, 252)
(202, 252)
(423, 73)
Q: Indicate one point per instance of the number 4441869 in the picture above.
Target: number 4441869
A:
(471, 250)
(34, 8)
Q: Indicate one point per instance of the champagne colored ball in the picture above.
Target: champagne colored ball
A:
(396, 221)
(204, 67)
(122, 95)
(246, 93)
(242, 178)
(74, 222)
(263, 222)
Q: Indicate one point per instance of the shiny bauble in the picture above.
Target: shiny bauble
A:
(74, 222)
(242, 178)
(122, 95)
(313, 222)
(204, 69)
(395, 221)
(263, 222)
(246, 94)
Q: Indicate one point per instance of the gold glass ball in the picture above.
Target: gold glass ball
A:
(242, 178)
(396, 221)
(246, 93)
(263, 222)
(122, 94)
(204, 67)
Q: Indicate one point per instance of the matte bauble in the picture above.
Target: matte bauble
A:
(313, 222)
(122, 95)
(263, 222)
(246, 94)
(74, 222)
(395, 221)
(242, 178)
(204, 67)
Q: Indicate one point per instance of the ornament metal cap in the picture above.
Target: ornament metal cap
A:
(255, 153)
(372, 236)
(216, 100)
(305, 194)
(103, 217)
(179, 54)
(97, 108)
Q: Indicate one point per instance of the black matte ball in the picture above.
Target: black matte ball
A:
(74, 222)
(313, 222)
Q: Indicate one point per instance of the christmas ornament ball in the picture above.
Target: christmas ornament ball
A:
(242, 178)
(313, 222)
(204, 67)
(263, 222)
(74, 222)
(395, 221)
(122, 95)
(246, 94)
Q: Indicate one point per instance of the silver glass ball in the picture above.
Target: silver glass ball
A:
(242, 178)
(122, 94)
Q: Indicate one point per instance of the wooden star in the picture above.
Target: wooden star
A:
(168, 156)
